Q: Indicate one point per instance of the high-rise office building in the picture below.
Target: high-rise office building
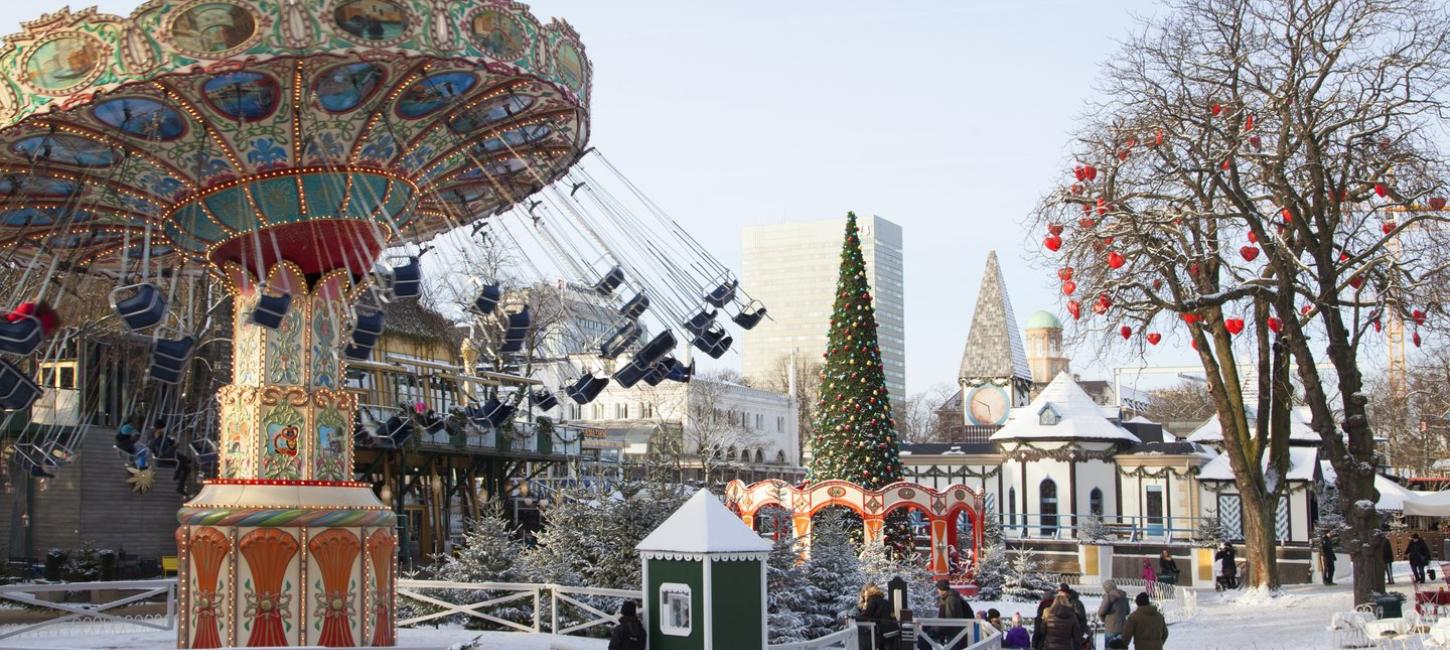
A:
(792, 268)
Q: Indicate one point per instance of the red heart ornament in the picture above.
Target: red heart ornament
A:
(1275, 325)
(1356, 281)
(1387, 227)
(1380, 190)
(1086, 223)
(1249, 123)
(1255, 142)
(1123, 155)
(1052, 242)
(1437, 203)
(1054, 228)
(1079, 173)
(1102, 304)
(1306, 309)
(1089, 172)
(1233, 325)
(1193, 343)
(1125, 331)
(1378, 325)
(1253, 237)
(1287, 215)
(1419, 317)
(1249, 253)
(1115, 260)
(1065, 273)
(1075, 308)
(1076, 189)
(1215, 109)
(1068, 288)
(1154, 338)
(1415, 339)
(1158, 137)
(1190, 318)
(1157, 283)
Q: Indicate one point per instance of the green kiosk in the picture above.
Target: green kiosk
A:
(704, 580)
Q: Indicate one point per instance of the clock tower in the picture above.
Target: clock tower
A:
(994, 375)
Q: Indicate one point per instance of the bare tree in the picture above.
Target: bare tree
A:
(807, 394)
(1186, 402)
(1261, 163)
(917, 422)
(1414, 422)
(699, 425)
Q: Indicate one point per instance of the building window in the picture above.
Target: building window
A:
(621, 411)
(759, 457)
(780, 424)
(780, 457)
(599, 411)
(1095, 502)
(1047, 506)
(1048, 416)
(759, 421)
(675, 609)
(1011, 506)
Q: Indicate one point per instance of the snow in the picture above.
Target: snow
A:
(1299, 429)
(1302, 463)
(704, 525)
(1081, 418)
(1429, 505)
(441, 638)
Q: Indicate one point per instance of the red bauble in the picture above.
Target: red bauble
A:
(1125, 331)
(1415, 339)
(1437, 203)
(1068, 288)
(1115, 260)
(1381, 190)
(1074, 308)
(1275, 325)
(1065, 273)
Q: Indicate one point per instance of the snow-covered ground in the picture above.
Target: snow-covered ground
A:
(422, 638)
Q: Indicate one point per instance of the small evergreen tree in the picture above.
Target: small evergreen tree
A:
(1024, 580)
(834, 571)
(790, 597)
(881, 563)
(1091, 529)
(1210, 532)
(991, 570)
(856, 436)
(491, 552)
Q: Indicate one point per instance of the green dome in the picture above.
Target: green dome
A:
(1043, 320)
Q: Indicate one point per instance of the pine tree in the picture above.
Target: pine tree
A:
(835, 573)
(855, 434)
(1024, 580)
(1210, 532)
(790, 597)
(490, 553)
(880, 564)
(1092, 529)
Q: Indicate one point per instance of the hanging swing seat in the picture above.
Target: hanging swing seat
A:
(397, 430)
(497, 413)
(681, 372)
(543, 399)
(17, 390)
(751, 316)
(714, 341)
(630, 374)
(367, 328)
(700, 322)
(625, 336)
(586, 388)
(723, 294)
(516, 330)
(635, 307)
(169, 357)
(656, 349)
(358, 352)
(139, 305)
(405, 280)
(19, 335)
(611, 281)
(487, 299)
(657, 372)
(270, 310)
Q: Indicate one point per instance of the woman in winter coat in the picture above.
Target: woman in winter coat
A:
(1145, 628)
(1061, 629)
(629, 633)
(1418, 553)
(1167, 568)
(1113, 611)
(872, 608)
(1225, 558)
(1149, 576)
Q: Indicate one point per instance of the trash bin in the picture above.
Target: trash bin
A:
(1389, 606)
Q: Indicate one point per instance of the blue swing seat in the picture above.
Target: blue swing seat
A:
(516, 331)
(407, 279)
(749, 319)
(586, 388)
(620, 341)
(140, 305)
(543, 399)
(630, 374)
(496, 413)
(20, 336)
(723, 294)
(270, 310)
(680, 372)
(700, 322)
(635, 307)
(358, 352)
(17, 390)
(367, 328)
(169, 357)
(656, 349)
(714, 341)
(611, 281)
(487, 299)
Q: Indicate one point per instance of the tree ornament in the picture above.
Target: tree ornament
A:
(1101, 305)
(1215, 108)
(1054, 229)
(1234, 325)
(1065, 273)
(1126, 332)
(1153, 338)
(1115, 260)
(1190, 317)
(1306, 309)
(1249, 253)
(1437, 203)
(1068, 288)
(1253, 237)
(1089, 172)
(1356, 281)
(1158, 137)
(1074, 308)
(1287, 215)
(1249, 122)
(1256, 143)
(1086, 223)
(1416, 338)
(1381, 190)
(1052, 242)
(1387, 227)
(1418, 316)
(1275, 325)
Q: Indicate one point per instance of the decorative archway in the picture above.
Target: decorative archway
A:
(804, 501)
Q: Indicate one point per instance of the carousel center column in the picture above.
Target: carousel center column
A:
(283, 548)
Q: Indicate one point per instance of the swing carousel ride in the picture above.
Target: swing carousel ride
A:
(304, 157)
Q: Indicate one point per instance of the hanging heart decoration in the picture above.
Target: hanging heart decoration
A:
(1074, 308)
(1287, 215)
(1387, 227)
(1086, 223)
(1115, 260)
(1256, 142)
(1419, 317)
(1052, 242)
(1415, 339)
(1380, 190)
(1154, 338)
(1079, 173)
(1253, 237)
(1275, 325)
(1190, 318)
(1065, 273)
(1306, 309)
(1234, 325)
(1249, 253)
(1125, 331)
(1089, 172)
(1054, 228)
(1249, 123)
(1356, 281)
(1158, 137)
(1378, 325)
(1069, 287)
(1215, 109)
(1437, 203)
(1101, 305)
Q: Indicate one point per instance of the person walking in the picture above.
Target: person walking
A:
(629, 633)
(1113, 611)
(1080, 611)
(1061, 629)
(1149, 576)
(1145, 628)
(949, 604)
(1418, 553)
(1225, 558)
(1387, 555)
(1326, 558)
(872, 607)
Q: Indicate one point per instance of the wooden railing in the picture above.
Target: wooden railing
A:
(483, 597)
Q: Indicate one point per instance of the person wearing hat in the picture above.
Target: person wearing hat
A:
(629, 633)
(1145, 629)
(949, 604)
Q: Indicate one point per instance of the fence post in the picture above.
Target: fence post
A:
(171, 603)
(537, 612)
(554, 609)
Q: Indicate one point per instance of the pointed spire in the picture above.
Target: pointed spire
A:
(994, 346)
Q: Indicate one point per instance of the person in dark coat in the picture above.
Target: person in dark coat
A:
(873, 608)
(949, 604)
(1418, 553)
(629, 633)
(1226, 555)
(1080, 611)
(1113, 610)
(1037, 630)
(1326, 558)
(1167, 568)
(1387, 555)
(1145, 628)
(1061, 629)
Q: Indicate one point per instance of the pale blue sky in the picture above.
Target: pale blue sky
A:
(947, 117)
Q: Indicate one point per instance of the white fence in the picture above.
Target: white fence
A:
(100, 610)
(844, 640)
(478, 597)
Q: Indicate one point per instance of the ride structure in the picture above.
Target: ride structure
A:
(280, 147)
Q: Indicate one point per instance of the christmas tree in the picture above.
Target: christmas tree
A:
(855, 434)
(1025, 581)
(992, 566)
(834, 571)
(790, 598)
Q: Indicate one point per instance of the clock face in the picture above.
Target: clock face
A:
(987, 404)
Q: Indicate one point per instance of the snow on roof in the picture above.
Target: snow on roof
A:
(1302, 462)
(1299, 428)
(1141, 420)
(1393, 495)
(1434, 504)
(1078, 416)
(704, 525)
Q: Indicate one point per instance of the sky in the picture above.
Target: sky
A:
(949, 118)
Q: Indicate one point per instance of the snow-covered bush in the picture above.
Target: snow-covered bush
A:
(1091, 529)
(834, 570)
(790, 596)
(1024, 580)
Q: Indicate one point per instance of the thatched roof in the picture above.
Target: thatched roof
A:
(410, 319)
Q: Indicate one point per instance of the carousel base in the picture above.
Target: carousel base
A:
(266, 563)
